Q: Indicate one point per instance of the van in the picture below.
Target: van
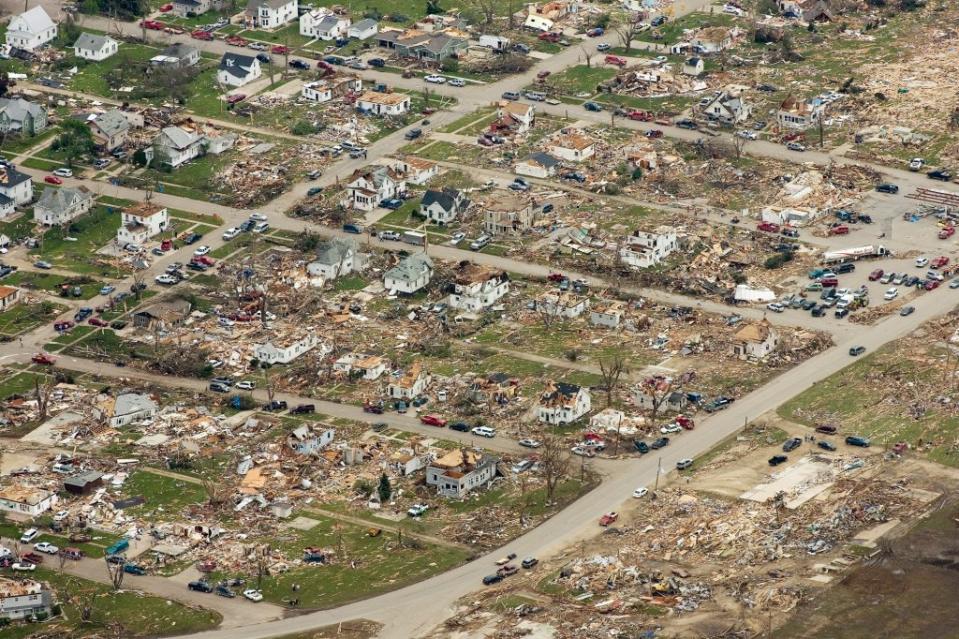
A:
(845, 267)
(414, 237)
(510, 95)
(29, 535)
(261, 227)
(536, 96)
(481, 242)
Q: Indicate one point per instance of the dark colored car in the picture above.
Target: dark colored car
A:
(299, 64)
(819, 311)
(593, 106)
(826, 445)
(224, 591)
(940, 174)
(855, 440)
(687, 124)
(791, 444)
(200, 586)
(316, 190)
(462, 427)
(134, 569)
(192, 238)
(529, 562)
(376, 62)
(845, 267)
(275, 405)
(887, 188)
(641, 446)
(659, 443)
(658, 21)
(775, 460)
(489, 580)
(82, 314)
(303, 409)
(827, 429)
(855, 351)
(718, 404)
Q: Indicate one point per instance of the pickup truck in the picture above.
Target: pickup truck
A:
(608, 518)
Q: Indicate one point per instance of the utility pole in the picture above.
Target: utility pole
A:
(659, 469)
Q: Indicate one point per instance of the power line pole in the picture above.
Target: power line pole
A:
(659, 469)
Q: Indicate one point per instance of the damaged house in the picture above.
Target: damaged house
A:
(31, 29)
(416, 170)
(410, 383)
(328, 89)
(175, 146)
(126, 408)
(644, 250)
(26, 599)
(110, 129)
(755, 340)
(442, 207)
(365, 189)
(476, 287)
(538, 165)
(647, 394)
(360, 365)
(21, 116)
(162, 315)
(177, 55)
(498, 388)
(16, 189)
(410, 275)
(26, 500)
(727, 108)
(431, 47)
(796, 114)
(608, 314)
(563, 403)
(140, 222)
(507, 214)
(57, 207)
(460, 471)
(283, 349)
(323, 24)
(270, 14)
(513, 117)
(306, 441)
(563, 305)
(335, 257)
(573, 147)
(379, 103)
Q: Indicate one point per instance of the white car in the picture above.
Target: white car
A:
(921, 261)
(582, 451)
(484, 431)
(604, 46)
(29, 535)
(246, 385)
(62, 172)
(258, 217)
(642, 491)
(166, 280)
(747, 135)
(61, 515)
(891, 294)
(202, 250)
(417, 509)
(915, 164)
(5, 552)
(253, 595)
(46, 547)
(535, 443)
(661, 59)
(231, 233)
(261, 227)
(257, 46)
(671, 428)
(435, 79)
(24, 566)
(776, 307)
(456, 82)
(457, 237)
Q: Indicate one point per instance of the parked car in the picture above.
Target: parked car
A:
(593, 106)
(608, 518)
(200, 586)
(775, 460)
(63, 172)
(791, 444)
(489, 580)
(275, 406)
(23, 566)
(939, 174)
(435, 79)
(224, 591)
(827, 429)
(530, 443)
(529, 562)
(46, 547)
(887, 188)
(134, 569)
(484, 431)
(855, 440)
(416, 510)
(856, 351)
(826, 445)
(640, 492)
(660, 443)
(433, 420)
(52, 179)
(683, 464)
(795, 146)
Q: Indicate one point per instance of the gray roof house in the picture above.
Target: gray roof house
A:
(59, 206)
(410, 275)
(21, 116)
(17, 187)
(110, 129)
(364, 29)
(442, 207)
(177, 55)
(93, 46)
(423, 46)
(176, 146)
(129, 407)
(334, 257)
(237, 70)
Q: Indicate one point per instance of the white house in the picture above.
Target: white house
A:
(323, 24)
(712, 40)
(477, 287)
(56, 207)
(563, 403)
(410, 383)
(90, 46)
(383, 103)
(176, 146)
(538, 165)
(516, 117)
(797, 114)
(24, 599)
(755, 340)
(130, 407)
(644, 250)
(416, 170)
(572, 147)
(366, 189)
(459, 472)
(410, 275)
(505, 213)
(9, 297)
(26, 500)
(238, 70)
(16, 188)
(694, 66)
(31, 30)
(270, 14)
(326, 90)
(177, 55)
(368, 367)
(334, 257)
(726, 107)
(284, 349)
(442, 207)
(564, 305)
(364, 29)
(609, 314)
(671, 402)
(140, 222)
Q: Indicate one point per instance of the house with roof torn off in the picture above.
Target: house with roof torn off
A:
(26, 500)
(410, 383)
(127, 408)
(365, 189)
(460, 471)
(562, 403)
(140, 222)
(645, 250)
(24, 599)
(755, 340)
(379, 103)
(476, 288)
(283, 349)
(360, 366)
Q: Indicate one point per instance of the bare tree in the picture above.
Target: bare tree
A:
(612, 369)
(627, 32)
(659, 388)
(216, 492)
(488, 9)
(115, 573)
(739, 145)
(260, 557)
(44, 391)
(269, 384)
(137, 276)
(554, 464)
(587, 56)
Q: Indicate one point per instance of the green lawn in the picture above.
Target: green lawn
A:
(672, 31)
(350, 283)
(93, 77)
(14, 145)
(20, 228)
(41, 165)
(15, 383)
(288, 35)
(24, 317)
(51, 282)
(165, 496)
(580, 79)
(91, 231)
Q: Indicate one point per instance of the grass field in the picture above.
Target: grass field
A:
(165, 496)
(24, 317)
(93, 77)
(89, 232)
(51, 282)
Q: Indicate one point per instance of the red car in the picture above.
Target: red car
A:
(433, 420)
(842, 229)
(542, 75)
(875, 275)
(96, 321)
(685, 422)
(556, 277)
(32, 557)
(236, 98)
(166, 8)
(550, 36)
(900, 447)
(947, 232)
(931, 284)
(65, 325)
(768, 227)
(654, 133)
(43, 358)
(279, 49)
(203, 259)
(608, 518)
(152, 24)
(640, 116)
(52, 179)
(201, 35)
(939, 262)
(237, 41)
(615, 59)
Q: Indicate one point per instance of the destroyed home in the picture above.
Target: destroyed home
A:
(24, 599)
(410, 275)
(538, 165)
(269, 14)
(364, 29)
(561, 305)
(110, 129)
(645, 250)
(442, 207)
(304, 440)
(656, 395)
(177, 55)
(83, 483)
(419, 45)
(797, 114)
(572, 147)
(283, 349)
(755, 340)
(334, 258)
(30, 30)
(507, 214)
(18, 115)
(237, 70)
(608, 314)
(562, 403)
(514, 117)
(495, 388)
(26, 500)
(162, 315)
(90, 46)
(378, 103)
(365, 189)
(410, 383)
(476, 288)
(459, 472)
(127, 408)
(57, 207)
(727, 108)
(694, 66)
(416, 170)
(331, 88)
(140, 222)
(361, 365)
